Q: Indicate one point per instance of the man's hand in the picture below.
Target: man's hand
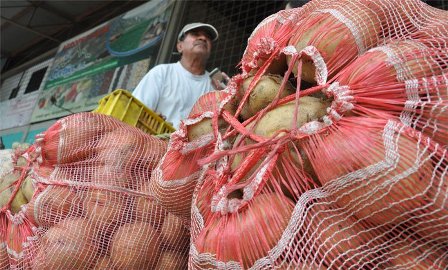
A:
(219, 85)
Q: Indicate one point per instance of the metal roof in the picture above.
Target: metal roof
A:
(32, 28)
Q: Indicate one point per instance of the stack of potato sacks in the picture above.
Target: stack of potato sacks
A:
(329, 149)
(79, 198)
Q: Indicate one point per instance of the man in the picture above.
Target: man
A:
(172, 89)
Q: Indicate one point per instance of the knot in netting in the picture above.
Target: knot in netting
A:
(266, 46)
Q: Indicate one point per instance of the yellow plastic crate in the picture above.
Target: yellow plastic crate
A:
(123, 106)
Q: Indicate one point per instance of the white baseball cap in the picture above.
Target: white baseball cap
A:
(207, 27)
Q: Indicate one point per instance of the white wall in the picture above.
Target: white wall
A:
(9, 84)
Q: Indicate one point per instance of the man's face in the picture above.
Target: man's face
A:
(196, 42)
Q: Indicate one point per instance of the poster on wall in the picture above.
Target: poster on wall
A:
(17, 110)
(114, 55)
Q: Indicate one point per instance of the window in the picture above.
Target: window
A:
(35, 80)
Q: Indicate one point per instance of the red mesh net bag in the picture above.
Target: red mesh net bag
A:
(90, 205)
(331, 37)
(266, 40)
(4, 258)
(346, 171)
(271, 35)
(175, 177)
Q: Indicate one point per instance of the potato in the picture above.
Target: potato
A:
(281, 117)
(67, 245)
(335, 40)
(111, 175)
(52, 205)
(115, 148)
(6, 162)
(384, 178)
(135, 246)
(208, 102)
(7, 188)
(281, 179)
(277, 66)
(20, 146)
(308, 67)
(329, 233)
(103, 263)
(21, 161)
(79, 134)
(409, 253)
(172, 260)
(174, 233)
(27, 188)
(126, 157)
(104, 208)
(18, 201)
(5, 195)
(412, 59)
(412, 191)
(202, 128)
(148, 210)
(267, 31)
(263, 93)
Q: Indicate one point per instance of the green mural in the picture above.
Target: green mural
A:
(114, 55)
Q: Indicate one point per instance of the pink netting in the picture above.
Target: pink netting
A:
(349, 171)
(271, 35)
(4, 258)
(175, 178)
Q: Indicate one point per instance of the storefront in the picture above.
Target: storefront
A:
(117, 54)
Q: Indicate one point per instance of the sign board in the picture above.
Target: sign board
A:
(114, 55)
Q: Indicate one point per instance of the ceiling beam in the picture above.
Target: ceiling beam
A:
(30, 30)
(79, 19)
(93, 10)
(32, 45)
(98, 13)
(20, 14)
(53, 25)
(53, 10)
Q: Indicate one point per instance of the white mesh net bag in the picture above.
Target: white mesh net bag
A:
(91, 206)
